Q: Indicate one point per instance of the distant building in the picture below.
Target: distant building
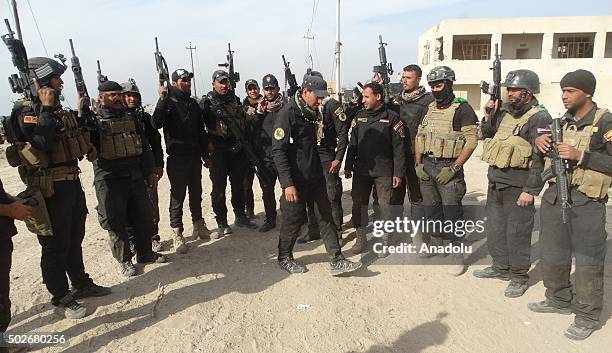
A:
(550, 46)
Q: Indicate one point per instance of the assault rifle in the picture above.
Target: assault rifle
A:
(101, 78)
(290, 79)
(560, 169)
(494, 89)
(385, 69)
(229, 65)
(265, 176)
(79, 81)
(20, 83)
(162, 66)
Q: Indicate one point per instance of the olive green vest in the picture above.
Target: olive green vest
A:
(507, 149)
(119, 138)
(436, 137)
(590, 182)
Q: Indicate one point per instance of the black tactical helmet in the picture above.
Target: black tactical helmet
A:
(525, 79)
(130, 87)
(440, 73)
(45, 68)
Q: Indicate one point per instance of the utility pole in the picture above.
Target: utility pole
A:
(338, 44)
(310, 63)
(16, 16)
(191, 49)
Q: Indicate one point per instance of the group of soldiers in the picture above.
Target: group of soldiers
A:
(415, 144)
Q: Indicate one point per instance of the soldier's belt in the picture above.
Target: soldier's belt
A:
(64, 173)
(439, 159)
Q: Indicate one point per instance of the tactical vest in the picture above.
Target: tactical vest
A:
(507, 149)
(72, 142)
(436, 137)
(229, 111)
(119, 138)
(590, 182)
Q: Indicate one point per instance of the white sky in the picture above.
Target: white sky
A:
(121, 35)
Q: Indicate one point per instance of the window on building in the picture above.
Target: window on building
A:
(440, 48)
(608, 52)
(573, 45)
(472, 47)
(425, 59)
(521, 46)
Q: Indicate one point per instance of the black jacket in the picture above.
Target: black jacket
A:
(183, 123)
(138, 167)
(214, 105)
(7, 225)
(412, 112)
(335, 130)
(528, 179)
(294, 144)
(377, 146)
(153, 136)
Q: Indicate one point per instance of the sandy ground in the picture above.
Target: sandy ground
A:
(229, 296)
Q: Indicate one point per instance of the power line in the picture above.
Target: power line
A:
(37, 28)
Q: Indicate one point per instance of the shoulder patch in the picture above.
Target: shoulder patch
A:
(338, 111)
(399, 127)
(30, 119)
(460, 100)
(279, 133)
(608, 136)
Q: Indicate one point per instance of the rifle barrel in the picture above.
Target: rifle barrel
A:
(71, 47)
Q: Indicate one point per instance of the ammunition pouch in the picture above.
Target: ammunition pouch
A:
(12, 156)
(39, 221)
(507, 149)
(590, 182)
(119, 138)
(436, 137)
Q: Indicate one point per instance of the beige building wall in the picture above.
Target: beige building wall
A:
(523, 37)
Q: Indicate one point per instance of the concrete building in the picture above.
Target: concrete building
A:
(550, 46)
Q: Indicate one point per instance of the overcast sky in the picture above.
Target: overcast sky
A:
(121, 34)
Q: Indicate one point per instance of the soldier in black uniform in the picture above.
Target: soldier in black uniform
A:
(262, 124)
(220, 107)
(376, 156)
(412, 105)
(133, 103)
(124, 162)
(509, 137)
(249, 104)
(187, 147)
(299, 171)
(51, 141)
(587, 147)
(332, 139)
(445, 140)
(11, 208)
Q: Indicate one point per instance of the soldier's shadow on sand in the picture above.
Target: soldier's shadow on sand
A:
(423, 336)
(251, 274)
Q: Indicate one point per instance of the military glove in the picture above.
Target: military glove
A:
(421, 173)
(446, 174)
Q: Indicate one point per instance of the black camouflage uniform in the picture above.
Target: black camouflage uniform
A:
(376, 153)
(7, 231)
(187, 146)
(509, 226)
(298, 164)
(332, 146)
(228, 157)
(412, 109)
(250, 110)
(61, 253)
(154, 138)
(262, 133)
(584, 235)
(122, 195)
